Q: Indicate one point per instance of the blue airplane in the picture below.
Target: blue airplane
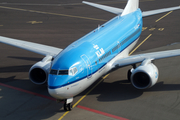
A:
(70, 71)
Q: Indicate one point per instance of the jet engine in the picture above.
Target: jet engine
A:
(144, 76)
(38, 73)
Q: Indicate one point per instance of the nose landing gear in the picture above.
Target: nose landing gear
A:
(67, 107)
(68, 104)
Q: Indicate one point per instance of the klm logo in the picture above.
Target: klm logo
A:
(99, 52)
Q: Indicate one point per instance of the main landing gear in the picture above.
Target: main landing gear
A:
(68, 104)
(129, 73)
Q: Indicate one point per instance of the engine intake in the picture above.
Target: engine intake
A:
(141, 79)
(144, 76)
(38, 73)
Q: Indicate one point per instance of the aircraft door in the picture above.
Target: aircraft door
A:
(88, 65)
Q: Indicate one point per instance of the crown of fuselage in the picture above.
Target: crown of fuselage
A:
(71, 55)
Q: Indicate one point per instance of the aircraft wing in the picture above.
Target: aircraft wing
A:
(33, 47)
(119, 11)
(154, 12)
(131, 60)
(114, 10)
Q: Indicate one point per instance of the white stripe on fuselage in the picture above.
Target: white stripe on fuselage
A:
(75, 88)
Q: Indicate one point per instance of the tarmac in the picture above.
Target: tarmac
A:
(59, 23)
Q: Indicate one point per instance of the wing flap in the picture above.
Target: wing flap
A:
(30, 46)
(158, 11)
(141, 57)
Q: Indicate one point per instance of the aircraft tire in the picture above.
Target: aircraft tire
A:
(68, 107)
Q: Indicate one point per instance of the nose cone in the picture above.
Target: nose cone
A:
(57, 93)
(55, 86)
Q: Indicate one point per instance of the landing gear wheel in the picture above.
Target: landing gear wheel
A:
(129, 75)
(68, 107)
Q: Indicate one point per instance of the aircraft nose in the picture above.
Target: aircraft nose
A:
(56, 86)
(57, 93)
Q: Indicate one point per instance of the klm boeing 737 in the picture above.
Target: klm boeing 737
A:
(70, 71)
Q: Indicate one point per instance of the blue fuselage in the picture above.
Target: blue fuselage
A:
(84, 57)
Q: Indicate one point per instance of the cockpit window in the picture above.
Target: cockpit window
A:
(73, 71)
(70, 72)
(53, 72)
(63, 72)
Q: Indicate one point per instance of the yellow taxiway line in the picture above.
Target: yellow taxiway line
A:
(58, 14)
(164, 16)
(140, 44)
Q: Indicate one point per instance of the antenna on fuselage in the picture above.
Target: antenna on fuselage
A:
(99, 26)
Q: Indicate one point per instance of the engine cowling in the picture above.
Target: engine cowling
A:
(38, 73)
(144, 76)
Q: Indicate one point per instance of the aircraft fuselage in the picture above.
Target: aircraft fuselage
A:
(87, 59)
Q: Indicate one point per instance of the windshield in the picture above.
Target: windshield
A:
(71, 72)
(63, 72)
(53, 72)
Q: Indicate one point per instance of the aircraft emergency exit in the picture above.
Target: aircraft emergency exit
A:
(70, 71)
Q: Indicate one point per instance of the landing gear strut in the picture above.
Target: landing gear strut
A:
(130, 72)
(68, 104)
(129, 75)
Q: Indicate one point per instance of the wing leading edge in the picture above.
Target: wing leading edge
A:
(114, 10)
(154, 12)
(141, 57)
(30, 46)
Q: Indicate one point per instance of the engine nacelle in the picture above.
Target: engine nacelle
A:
(38, 73)
(144, 76)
